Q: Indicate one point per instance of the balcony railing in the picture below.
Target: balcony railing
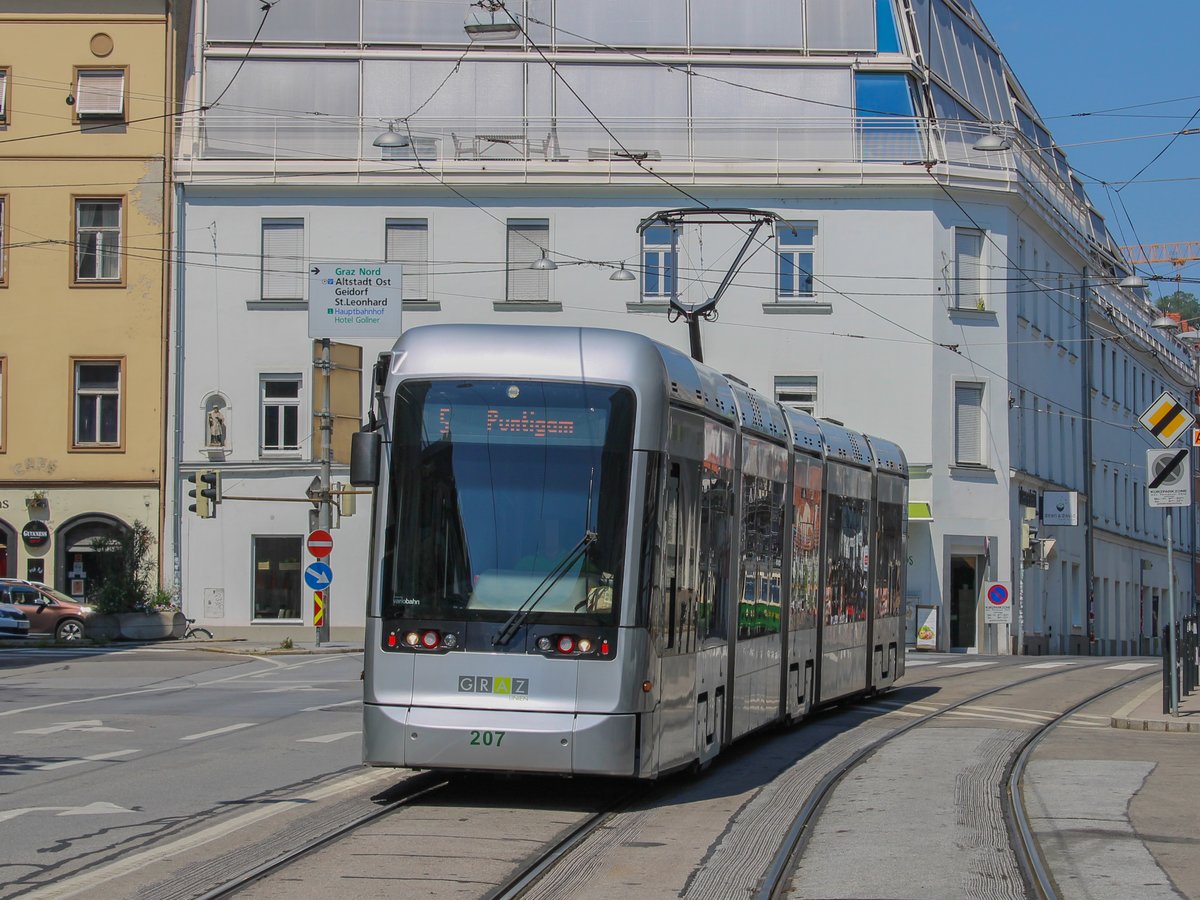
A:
(583, 147)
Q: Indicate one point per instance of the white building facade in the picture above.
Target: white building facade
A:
(911, 285)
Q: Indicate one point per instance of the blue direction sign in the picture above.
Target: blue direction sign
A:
(318, 576)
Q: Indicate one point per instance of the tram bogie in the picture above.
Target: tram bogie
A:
(592, 554)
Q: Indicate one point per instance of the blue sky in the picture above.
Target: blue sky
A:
(1076, 56)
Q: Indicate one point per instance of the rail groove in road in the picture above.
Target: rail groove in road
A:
(774, 882)
(1025, 842)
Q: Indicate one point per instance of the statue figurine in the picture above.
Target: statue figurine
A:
(216, 427)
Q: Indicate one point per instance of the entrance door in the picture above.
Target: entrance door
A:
(964, 600)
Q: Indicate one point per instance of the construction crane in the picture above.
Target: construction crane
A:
(1177, 254)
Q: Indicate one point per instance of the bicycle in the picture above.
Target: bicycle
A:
(192, 631)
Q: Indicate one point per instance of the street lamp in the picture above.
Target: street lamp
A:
(1134, 282)
(391, 137)
(991, 142)
(622, 274)
(484, 26)
(543, 263)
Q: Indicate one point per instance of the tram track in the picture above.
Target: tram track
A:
(773, 884)
(1024, 842)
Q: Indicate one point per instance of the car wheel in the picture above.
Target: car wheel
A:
(69, 630)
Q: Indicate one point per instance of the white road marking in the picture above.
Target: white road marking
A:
(330, 705)
(328, 738)
(86, 725)
(1131, 667)
(1016, 720)
(916, 664)
(228, 728)
(1042, 714)
(87, 882)
(1049, 665)
(99, 808)
(968, 665)
(292, 689)
(886, 710)
(95, 757)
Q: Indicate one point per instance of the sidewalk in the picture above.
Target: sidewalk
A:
(1145, 713)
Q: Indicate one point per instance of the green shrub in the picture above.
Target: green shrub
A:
(124, 570)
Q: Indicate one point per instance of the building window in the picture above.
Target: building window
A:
(968, 424)
(97, 403)
(4, 95)
(658, 262)
(100, 93)
(277, 578)
(283, 270)
(407, 243)
(795, 251)
(798, 392)
(98, 240)
(3, 395)
(528, 241)
(968, 262)
(280, 423)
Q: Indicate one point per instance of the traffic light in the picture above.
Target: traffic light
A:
(207, 492)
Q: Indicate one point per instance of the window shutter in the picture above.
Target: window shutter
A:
(100, 93)
(408, 244)
(968, 253)
(283, 261)
(968, 424)
(526, 241)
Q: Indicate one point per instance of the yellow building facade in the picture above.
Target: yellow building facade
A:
(85, 151)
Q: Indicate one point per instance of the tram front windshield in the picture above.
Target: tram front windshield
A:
(503, 491)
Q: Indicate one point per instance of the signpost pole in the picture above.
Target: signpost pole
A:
(1171, 620)
(325, 518)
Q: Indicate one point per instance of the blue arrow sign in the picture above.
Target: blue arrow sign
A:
(318, 576)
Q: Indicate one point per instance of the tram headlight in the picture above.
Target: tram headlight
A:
(566, 643)
(412, 639)
(584, 645)
(545, 644)
(450, 641)
(430, 640)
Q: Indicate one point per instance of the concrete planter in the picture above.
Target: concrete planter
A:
(137, 626)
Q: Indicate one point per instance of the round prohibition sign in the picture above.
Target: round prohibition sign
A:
(997, 595)
(320, 543)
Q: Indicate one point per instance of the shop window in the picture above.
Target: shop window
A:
(277, 582)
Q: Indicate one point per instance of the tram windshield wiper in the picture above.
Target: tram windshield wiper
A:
(504, 635)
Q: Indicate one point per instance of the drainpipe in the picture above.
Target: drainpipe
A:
(1089, 533)
(177, 478)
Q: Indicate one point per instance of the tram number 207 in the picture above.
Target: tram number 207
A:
(487, 738)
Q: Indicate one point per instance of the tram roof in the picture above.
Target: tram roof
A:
(889, 457)
(844, 445)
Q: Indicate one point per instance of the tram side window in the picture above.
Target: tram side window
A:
(889, 559)
(762, 557)
(846, 560)
(716, 531)
(806, 545)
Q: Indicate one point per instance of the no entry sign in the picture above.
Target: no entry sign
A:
(320, 543)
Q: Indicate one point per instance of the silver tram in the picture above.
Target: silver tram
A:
(593, 555)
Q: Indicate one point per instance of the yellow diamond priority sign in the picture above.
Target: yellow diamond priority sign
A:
(1167, 419)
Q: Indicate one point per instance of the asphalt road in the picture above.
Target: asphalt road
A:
(107, 752)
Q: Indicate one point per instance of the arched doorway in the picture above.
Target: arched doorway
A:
(74, 556)
(8, 550)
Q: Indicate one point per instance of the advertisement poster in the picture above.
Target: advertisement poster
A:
(927, 628)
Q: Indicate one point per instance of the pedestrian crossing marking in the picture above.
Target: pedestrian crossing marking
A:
(1131, 666)
(1048, 665)
(968, 665)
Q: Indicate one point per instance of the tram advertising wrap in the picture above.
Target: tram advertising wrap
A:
(594, 555)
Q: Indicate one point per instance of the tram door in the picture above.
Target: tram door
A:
(676, 613)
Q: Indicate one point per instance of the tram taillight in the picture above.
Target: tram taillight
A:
(430, 640)
(566, 643)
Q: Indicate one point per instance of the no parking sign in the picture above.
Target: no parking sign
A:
(997, 603)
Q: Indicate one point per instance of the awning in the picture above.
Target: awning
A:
(920, 512)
